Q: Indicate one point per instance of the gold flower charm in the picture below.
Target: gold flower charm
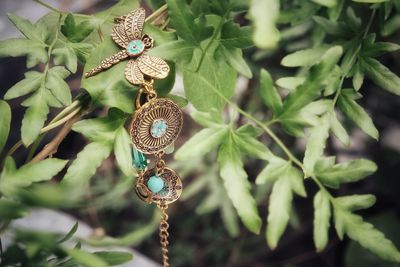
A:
(127, 33)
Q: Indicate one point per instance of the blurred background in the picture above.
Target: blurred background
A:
(198, 220)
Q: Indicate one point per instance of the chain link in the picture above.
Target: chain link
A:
(159, 163)
(164, 234)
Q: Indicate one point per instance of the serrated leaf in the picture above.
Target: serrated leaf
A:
(85, 165)
(216, 78)
(202, 142)
(24, 26)
(33, 120)
(237, 185)
(279, 209)
(338, 130)
(27, 174)
(32, 82)
(366, 235)
(381, 75)
(56, 84)
(379, 48)
(183, 21)
(357, 114)
(311, 88)
(350, 171)
(17, 47)
(5, 121)
(356, 202)
(316, 143)
(322, 215)
(76, 33)
(122, 151)
(304, 58)
(265, 34)
(234, 57)
(66, 55)
(235, 36)
(273, 171)
(269, 94)
(251, 146)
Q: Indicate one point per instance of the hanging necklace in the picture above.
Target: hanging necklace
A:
(155, 124)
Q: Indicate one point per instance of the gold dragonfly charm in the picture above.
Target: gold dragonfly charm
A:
(127, 33)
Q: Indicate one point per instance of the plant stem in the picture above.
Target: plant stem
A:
(156, 13)
(47, 6)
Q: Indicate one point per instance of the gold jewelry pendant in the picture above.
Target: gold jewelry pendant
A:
(156, 122)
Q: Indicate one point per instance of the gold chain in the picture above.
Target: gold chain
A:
(164, 233)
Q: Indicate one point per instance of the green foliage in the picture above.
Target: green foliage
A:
(328, 47)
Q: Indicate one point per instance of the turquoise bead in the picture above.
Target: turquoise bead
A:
(139, 160)
(159, 128)
(155, 184)
(135, 47)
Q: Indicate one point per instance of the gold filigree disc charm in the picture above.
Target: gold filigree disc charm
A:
(156, 125)
(171, 188)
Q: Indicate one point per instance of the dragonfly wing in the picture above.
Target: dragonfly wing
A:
(133, 73)
(133, 24)
(119, 36)
(153, 66)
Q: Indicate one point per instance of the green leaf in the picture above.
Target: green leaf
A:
(235, 36)
(17, 47)
(24, 26)
(327, 3)
(216, 78)
(290, 83)
(237, 185)
(350, 171)
(338, 130)
(322, 215)
(330, 27)
(269, 94)
(379, 48)
(56, 84)
(251, 146)
(32, 82)
(265, 35)
(113, 258)
(122, 151)
(183, 22)
(5, 121)
(208, 119)
(10, 209)
(234, 57)
(366, 235)
(357, 114)
(296, 179)
(110, 87)
(102, 130)
(202, 142)
(356, 202)
(70, 233)
(85, 258)
(358, 77)
(85, 165)
(381, 75)
(311, 88)
(279, 209)
(76, 32)
(273, 171)
(178, 50)
(391, 26)
(304, 58)
(27, 174)
(316, 143)
(66, 55)
(33, 120)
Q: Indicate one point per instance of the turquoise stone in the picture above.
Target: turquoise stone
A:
(159, 128)
(155, 184)
(139, 160)
(135, 47)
